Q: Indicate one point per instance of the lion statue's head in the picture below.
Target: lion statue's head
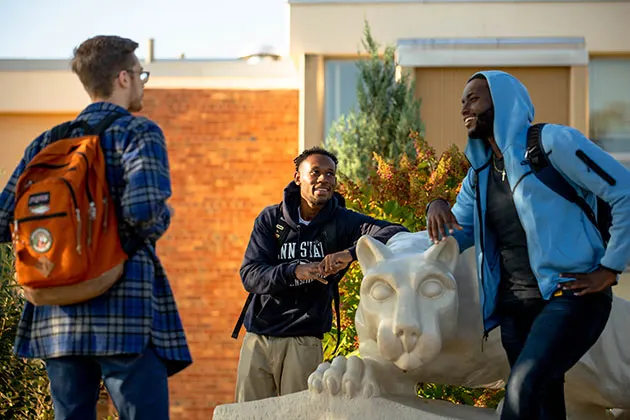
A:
(409, 303)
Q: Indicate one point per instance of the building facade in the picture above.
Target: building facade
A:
(574, 57)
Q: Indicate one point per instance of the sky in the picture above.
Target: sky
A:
(197, 28)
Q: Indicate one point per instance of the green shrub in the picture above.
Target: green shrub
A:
(387, 113)
(24, 388)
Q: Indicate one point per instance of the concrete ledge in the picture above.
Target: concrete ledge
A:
(486, 58)
(308, 406)
(486, 52)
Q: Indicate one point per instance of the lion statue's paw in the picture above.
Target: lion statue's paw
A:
(350, 377)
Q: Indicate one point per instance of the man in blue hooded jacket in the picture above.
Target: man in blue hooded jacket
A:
(545, 271)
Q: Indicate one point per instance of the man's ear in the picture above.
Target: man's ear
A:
(122, 79)
(296, 178)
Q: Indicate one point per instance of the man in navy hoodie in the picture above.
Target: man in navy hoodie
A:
(545, 269)
(292, 281)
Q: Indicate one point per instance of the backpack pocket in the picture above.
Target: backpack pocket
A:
(48, 237)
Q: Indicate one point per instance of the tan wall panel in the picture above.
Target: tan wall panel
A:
(41, 92)
(440, 90)
(312, 102)
(17, 131)
(579, 107)
(604, 25)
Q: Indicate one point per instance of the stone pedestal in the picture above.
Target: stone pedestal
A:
(310, 406)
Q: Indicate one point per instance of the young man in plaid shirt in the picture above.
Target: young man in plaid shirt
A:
(131, 336)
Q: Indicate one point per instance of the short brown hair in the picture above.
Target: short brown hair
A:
(98, 60)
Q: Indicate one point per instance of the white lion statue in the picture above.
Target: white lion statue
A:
(419, 320)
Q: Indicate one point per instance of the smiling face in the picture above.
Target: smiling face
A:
(478, 109)
(317, 179)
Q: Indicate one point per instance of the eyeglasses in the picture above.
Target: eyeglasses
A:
(143, 74)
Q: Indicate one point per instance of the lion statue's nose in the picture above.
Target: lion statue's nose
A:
(408, 335)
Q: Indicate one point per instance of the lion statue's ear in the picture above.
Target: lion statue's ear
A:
(446, 252)
(371, 252)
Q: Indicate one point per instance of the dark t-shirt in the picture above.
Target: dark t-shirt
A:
(517, 279)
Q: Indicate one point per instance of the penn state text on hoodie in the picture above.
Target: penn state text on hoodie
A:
(281, 305)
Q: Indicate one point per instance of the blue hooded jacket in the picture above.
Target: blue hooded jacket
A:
(560, 237)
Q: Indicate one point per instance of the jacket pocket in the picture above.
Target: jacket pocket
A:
(595, 167)
(47, 252)
(270, 310)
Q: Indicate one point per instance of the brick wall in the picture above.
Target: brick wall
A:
(231, 154)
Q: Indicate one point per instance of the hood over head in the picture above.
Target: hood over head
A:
(513, 114)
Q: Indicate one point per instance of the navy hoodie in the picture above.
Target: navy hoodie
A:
(282, 306)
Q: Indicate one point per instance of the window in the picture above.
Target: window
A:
(609, 108)
(609, 103)
(341, 90)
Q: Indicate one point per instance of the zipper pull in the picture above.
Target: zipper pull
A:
(78, 213)
(15, 232)
(92, 215)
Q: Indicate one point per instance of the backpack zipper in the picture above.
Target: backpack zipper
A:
(47, 166)
(87, 179)
(43, 217)
(17, 222)
(77, 212)
(92, 205)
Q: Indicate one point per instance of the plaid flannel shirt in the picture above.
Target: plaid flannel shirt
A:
(140, 308)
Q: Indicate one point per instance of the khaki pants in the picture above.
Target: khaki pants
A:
(272, 366)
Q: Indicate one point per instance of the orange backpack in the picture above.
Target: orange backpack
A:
(65, 231)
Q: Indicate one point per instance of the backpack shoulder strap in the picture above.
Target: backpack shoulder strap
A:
(241, 317)
(535, 153)
(105, 123)
(63, 130)
(548, 175)
(60, 131)
(281, 226)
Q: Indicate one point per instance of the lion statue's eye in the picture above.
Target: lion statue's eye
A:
(431, 288)
(381, 291)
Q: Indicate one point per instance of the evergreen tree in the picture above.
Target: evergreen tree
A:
(387, 113)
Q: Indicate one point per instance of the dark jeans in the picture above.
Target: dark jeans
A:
(136, 383)
(543, 340)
